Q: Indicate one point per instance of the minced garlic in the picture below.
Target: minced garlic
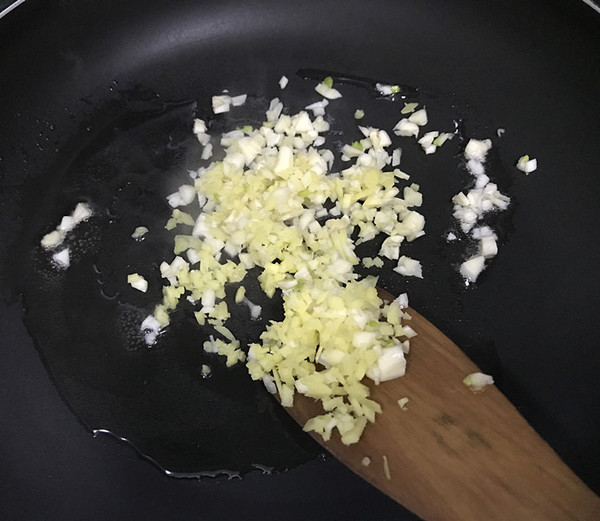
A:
(273, 203)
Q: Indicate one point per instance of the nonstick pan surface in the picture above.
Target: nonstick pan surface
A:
(91, 94)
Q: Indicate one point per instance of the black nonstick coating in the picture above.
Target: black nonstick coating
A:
(77, 78)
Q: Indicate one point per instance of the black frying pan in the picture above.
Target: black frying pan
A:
(80, 79)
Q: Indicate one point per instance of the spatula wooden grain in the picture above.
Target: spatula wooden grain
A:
(453, 454)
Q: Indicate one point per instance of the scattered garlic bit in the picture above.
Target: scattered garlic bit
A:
(200, 130)
(318, 108)
(390, 363)
(387, 90)
(386, 468)
(231, 350)
(477, 149)
(82, 212)
(274, 111)
(483, 231)
(359, 114)
(223, 330)
(409, 332)
(402, 403)
(409, 267)
(335, 329)
(52, 240)
(138, 282)
(139, 232)
(184, 196)
(400, 174)
(221, 104)
(366, 461)
(325, 89)
(178, 217)
(205, 371)
(471, 268)
(500, 132)
(402, 301)
(151, 328)
(55, 238)
(404, 127)
(442, 138)
(390, 247)
(478, 381)
(224, 102)
(283, 81)
(427, 140)
(408, 108)
(319, 141)
(255, 309)
(200, 317)
(199, 126)
(240, 294)
(488, 247)
(62, 259)
(431, 141)
(170, 271)
(526, 165)
(237, 101)
(471, 207)
(369, 262)
(192, 256)
(207, 152)
(419, 117)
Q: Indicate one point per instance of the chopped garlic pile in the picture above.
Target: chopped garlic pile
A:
(273, 202)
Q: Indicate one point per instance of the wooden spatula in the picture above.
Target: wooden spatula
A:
(453, 454)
